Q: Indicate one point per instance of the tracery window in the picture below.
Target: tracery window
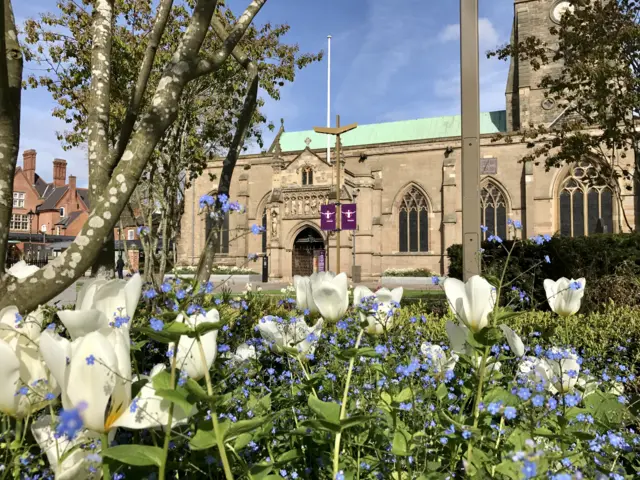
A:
(224, 233)
(493, 211)
(583, 202)
(413, 222)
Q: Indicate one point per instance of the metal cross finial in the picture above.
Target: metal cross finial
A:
(307, 141)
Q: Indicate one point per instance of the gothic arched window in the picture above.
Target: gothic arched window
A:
(224, 233)
(493, 210)
(307, 176)
(584, 202)
(413, 222)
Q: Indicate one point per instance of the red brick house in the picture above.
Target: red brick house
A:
(44, 209)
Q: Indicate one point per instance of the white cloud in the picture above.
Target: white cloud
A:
(487, 34)
(450, 33)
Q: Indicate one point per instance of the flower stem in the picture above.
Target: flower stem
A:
(343, 409)
(106, 472)
(167, 434)
(476, 401)
(214, 416)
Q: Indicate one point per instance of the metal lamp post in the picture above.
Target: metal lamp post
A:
(337, 131)
(30, 215)
(353, 236)
(470, 93)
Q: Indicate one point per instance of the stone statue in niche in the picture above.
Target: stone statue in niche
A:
(314, 205)
(300, 205)
(294, 210)
(307, 207)
(274, 223)
(286, 207)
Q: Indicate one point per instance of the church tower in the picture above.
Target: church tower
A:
(526, 103)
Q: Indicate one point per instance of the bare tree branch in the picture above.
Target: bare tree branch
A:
(162, 16)
(208, 65)
(11, 63)
(212, 245)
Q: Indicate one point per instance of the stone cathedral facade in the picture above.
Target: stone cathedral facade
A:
(405, 178)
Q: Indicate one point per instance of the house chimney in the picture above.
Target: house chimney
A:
(73, 200)
(29, 165)
(59, 172)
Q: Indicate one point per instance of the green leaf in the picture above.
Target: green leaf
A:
(207, 327)
(203, 439)
(260, 471)
(136, 455)
(320, 425)
(160, 336)
(605, 407)
(177, 328)
(329, 411)
(355, 421)
(179, 397)
(242, 441)
(196, 390)
(488, 336)
(288, 457)
(244, 426)
(509, 469)
(350, 353)
(442, 391)
(137, 346)
(403, 396)
(400, 445)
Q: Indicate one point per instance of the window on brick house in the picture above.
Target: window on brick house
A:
(19, 222)
(130, 234)
(413, 222)
(62, 211)
(583, 201)
(224, 233)
(493, 211)
(18, 199)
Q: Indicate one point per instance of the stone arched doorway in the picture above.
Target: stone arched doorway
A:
(308, 252)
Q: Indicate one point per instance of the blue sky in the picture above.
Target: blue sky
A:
(390, 60)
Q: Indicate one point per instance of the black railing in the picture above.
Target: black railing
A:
(37, 262)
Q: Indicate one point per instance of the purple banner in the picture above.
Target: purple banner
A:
(348, 217)
(328, 217)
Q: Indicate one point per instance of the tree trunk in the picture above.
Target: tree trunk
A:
(11, 63)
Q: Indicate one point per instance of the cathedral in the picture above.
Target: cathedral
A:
(404, 180)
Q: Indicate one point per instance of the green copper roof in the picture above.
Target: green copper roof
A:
(403, 131)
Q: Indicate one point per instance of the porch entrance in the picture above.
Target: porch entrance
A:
(308, 253)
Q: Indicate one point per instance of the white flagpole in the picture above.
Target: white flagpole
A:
(329, 97)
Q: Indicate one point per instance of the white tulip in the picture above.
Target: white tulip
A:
(22, 270)
(536, 370)
(564, 295)
(20, 364)
(304, 298)
(189, 358)
(440, 363)
(74, 465)
(331, 295)
(514, 341)
(562, 369)
(472, 301)
(458, 338)
(101, 303)
(94, 368)
(292, 334)
(387, 301)
(243, 353)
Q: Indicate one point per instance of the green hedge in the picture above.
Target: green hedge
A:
(610, 263)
